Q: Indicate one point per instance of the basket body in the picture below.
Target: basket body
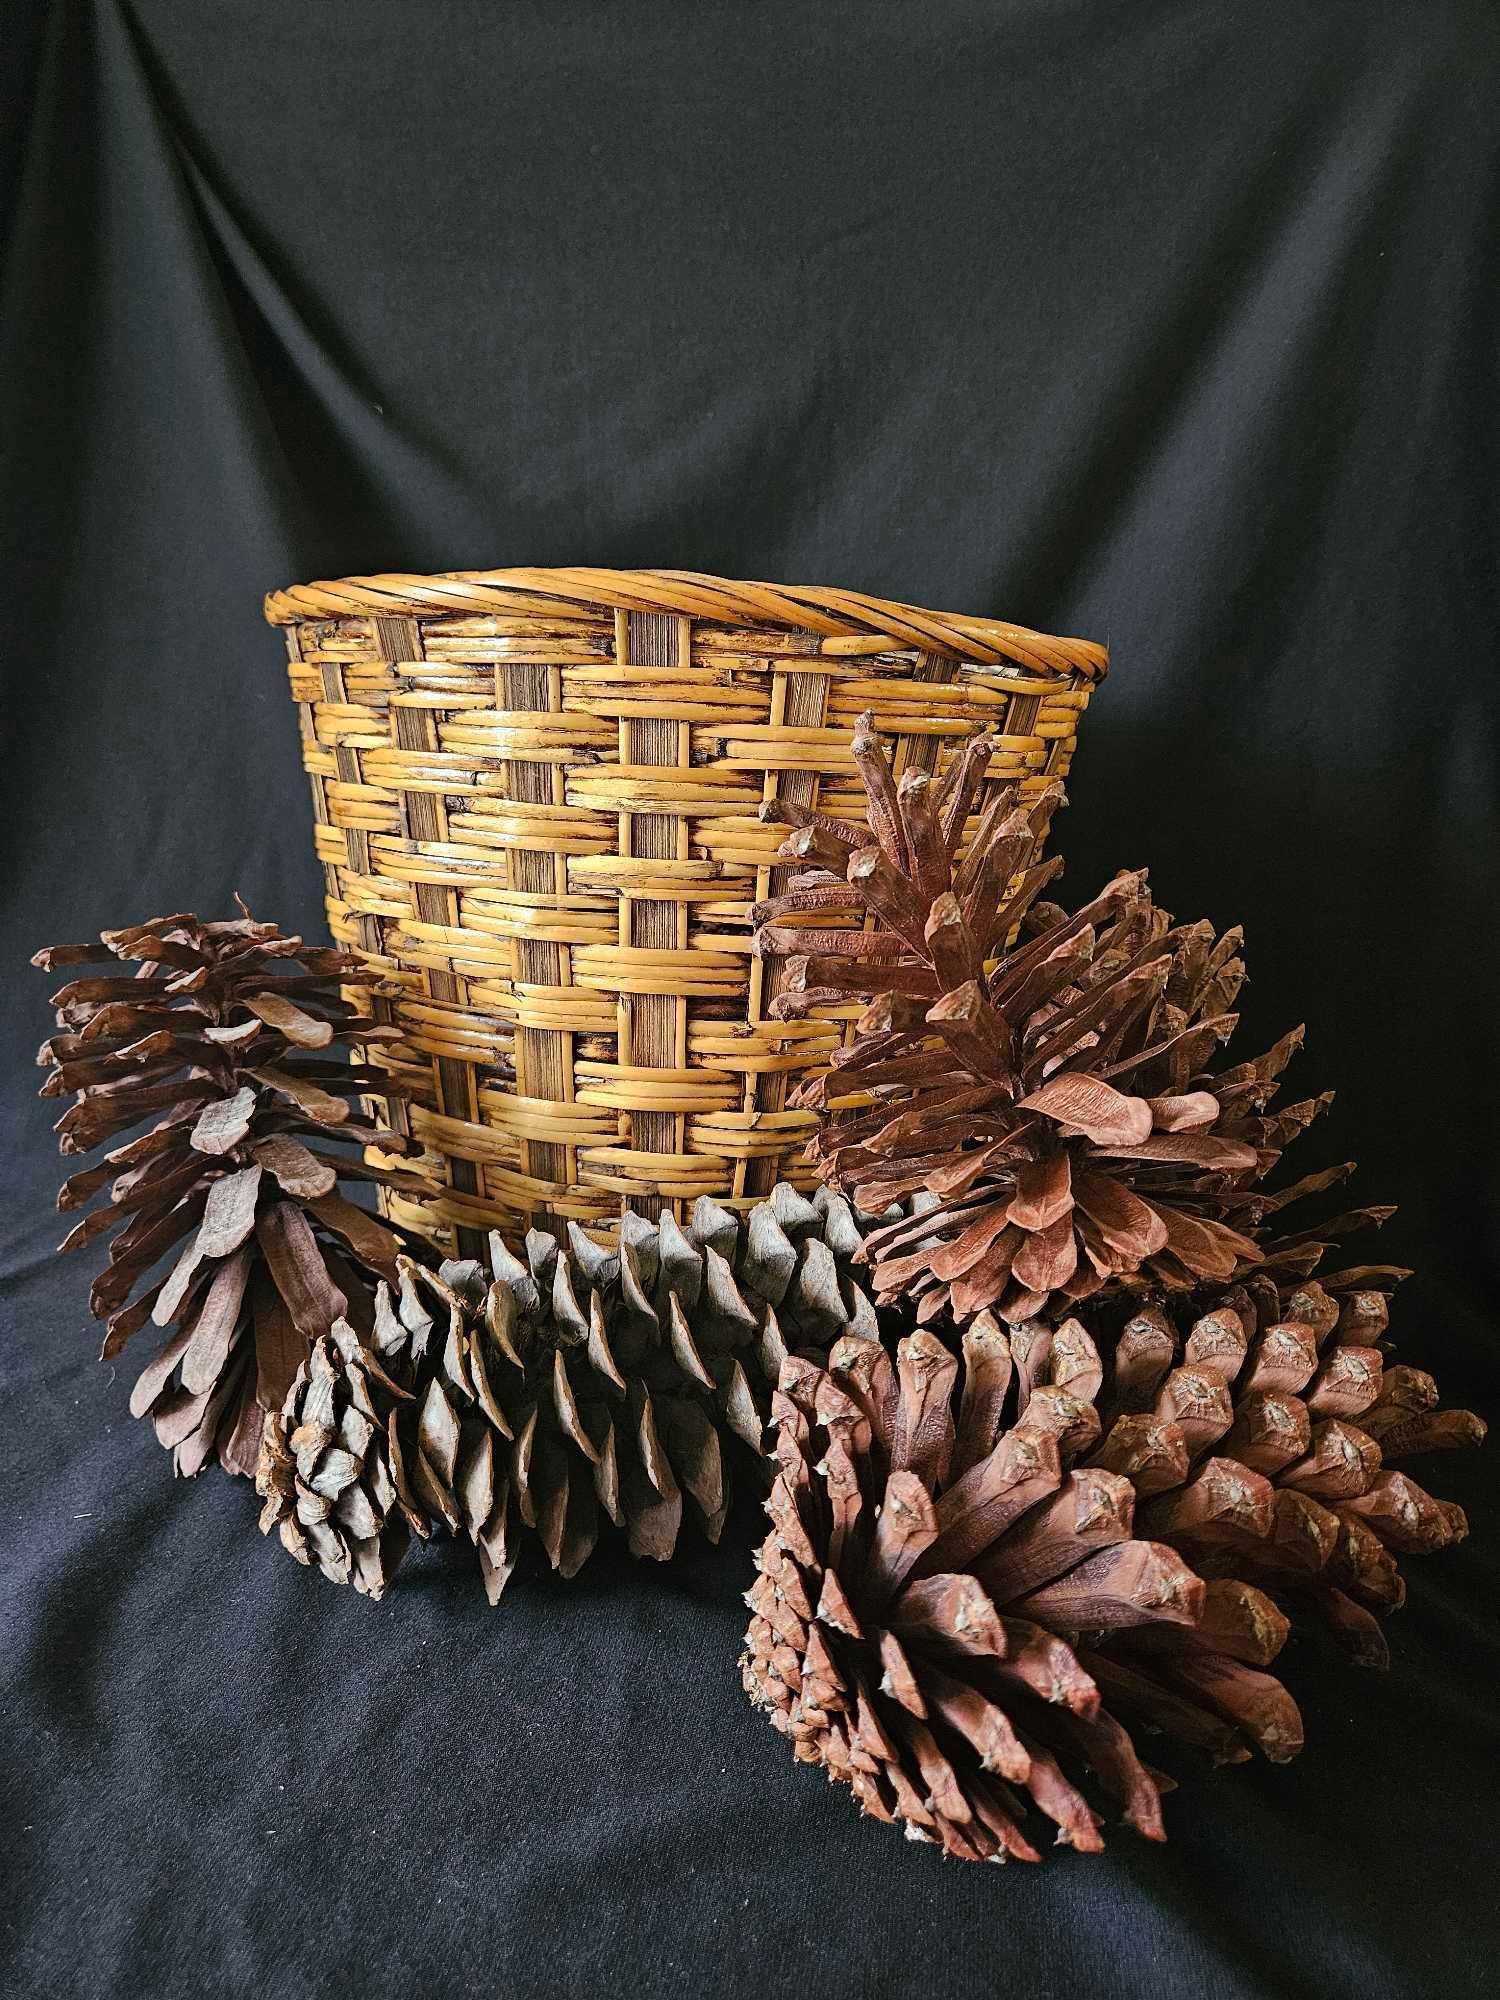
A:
(538, 797)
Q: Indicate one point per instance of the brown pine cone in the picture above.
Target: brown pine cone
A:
(587, 1382)
(223, 1039)
(956, 1616)
(1289, 1383)
(1051, 1099)
(342, 1475)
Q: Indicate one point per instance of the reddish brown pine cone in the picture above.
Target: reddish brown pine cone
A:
(1288, 1382)
(221, 1046)
(1048, 1107)
(959, 1615)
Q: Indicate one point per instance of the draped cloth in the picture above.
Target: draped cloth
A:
(1168, 322)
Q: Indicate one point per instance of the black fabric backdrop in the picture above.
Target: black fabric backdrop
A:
(1171, 322)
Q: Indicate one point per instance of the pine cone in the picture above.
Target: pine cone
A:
(342, 1484)
(585, 1380)
(1288, 1382)
(224, 1042)
(1054, 1100)
(951, 1617)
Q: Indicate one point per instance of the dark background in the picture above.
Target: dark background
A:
(1170, 324)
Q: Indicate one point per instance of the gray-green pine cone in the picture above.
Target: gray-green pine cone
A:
(585, 1385)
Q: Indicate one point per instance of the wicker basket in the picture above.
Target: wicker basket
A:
(538, 799)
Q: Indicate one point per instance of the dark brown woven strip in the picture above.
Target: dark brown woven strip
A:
(654, 639)
(544, 1057)
(805, 706)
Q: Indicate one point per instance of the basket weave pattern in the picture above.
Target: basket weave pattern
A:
(538, 799)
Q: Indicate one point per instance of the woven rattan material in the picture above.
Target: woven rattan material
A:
(538, 797)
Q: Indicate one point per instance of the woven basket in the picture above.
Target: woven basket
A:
(538, 798)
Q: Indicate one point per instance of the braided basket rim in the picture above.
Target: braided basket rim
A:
(832, 613)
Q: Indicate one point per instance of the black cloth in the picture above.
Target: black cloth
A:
(1170, 322)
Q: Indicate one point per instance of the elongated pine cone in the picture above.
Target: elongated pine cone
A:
(343, 1478)
(582, 1385)
(1288, 1383)
(585, 1383)
(223, 1039)
(965, 1616)
(1050, 1102)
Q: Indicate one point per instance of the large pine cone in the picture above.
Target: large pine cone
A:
(1053, 1096)
(955, 1616)
(585, 1381)
(1288, 1382)
(223, 1038)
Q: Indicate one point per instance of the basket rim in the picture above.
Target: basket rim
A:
(834, 614)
